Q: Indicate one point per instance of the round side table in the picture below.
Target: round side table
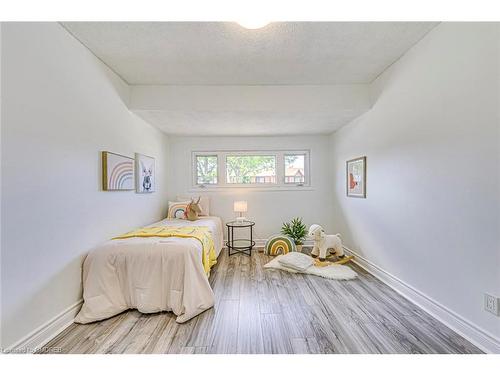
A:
(239, 245)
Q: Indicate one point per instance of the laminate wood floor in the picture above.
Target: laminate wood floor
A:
(270, 311)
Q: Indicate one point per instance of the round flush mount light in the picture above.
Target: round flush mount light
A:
(253, 24)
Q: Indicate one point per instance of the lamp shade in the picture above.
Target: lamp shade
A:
(240, 206)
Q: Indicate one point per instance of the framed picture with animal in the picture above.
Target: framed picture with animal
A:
(145, 173)
(356, 177)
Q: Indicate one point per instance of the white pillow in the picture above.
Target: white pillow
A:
(296, 261)
(204, 203)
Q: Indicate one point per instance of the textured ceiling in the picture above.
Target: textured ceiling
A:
(249, 110)
(224, 53)
(251, 123)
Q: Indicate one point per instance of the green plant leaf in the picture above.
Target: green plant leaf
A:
(295, 229)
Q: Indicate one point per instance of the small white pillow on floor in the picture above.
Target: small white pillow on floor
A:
(296, 261)
(333, 271)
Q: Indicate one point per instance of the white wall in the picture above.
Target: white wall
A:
(268, 209)
(60, 108)
(431, 216)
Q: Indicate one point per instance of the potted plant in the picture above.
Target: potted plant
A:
(297, 230)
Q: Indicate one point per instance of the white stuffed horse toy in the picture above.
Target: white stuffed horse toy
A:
(323, 242)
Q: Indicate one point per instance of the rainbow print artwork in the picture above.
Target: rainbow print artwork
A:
(117, 172)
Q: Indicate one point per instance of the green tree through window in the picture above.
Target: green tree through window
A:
(251, 169)
(206, 169)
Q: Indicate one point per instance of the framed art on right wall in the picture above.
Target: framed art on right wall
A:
(356, 177)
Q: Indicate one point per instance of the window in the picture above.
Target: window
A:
(206, 169)
(265, 169)
(295, 168)
(251, 169)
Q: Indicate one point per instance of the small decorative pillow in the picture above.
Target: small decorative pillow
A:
(296, 261)
(176, 210)
(279, 244)
(204, 203)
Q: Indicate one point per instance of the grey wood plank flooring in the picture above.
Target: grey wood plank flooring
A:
(275, 312)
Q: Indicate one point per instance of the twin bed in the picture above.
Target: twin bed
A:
(150, 273)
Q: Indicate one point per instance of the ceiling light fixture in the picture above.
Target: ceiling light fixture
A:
(253, 24)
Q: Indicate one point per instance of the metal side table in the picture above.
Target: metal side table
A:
(239, 245)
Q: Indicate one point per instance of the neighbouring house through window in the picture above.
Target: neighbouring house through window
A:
(251, 168)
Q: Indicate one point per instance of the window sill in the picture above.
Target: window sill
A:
(251, 189)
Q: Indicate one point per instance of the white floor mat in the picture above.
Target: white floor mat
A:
(335, 271)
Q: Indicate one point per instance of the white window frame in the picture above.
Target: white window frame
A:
(194, 168)
(280, 170)
(306, 168)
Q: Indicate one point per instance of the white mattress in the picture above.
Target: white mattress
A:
(149, 274)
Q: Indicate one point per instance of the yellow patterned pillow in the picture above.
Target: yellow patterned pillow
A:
(176, 210)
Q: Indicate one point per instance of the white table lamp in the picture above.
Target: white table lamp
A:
(240, 206)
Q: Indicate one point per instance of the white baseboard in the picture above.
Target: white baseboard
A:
(37, 338)
(451, 319)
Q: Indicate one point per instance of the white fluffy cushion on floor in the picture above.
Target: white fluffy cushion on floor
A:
(334, 271)
(296, 261)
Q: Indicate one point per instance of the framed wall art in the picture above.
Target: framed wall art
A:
(145, 173)
(117, 172)
(356, 177)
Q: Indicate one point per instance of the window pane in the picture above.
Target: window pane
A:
(294, 169)
(251, 169)
(206, 169)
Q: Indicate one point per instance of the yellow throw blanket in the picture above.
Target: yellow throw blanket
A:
(202, 234)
